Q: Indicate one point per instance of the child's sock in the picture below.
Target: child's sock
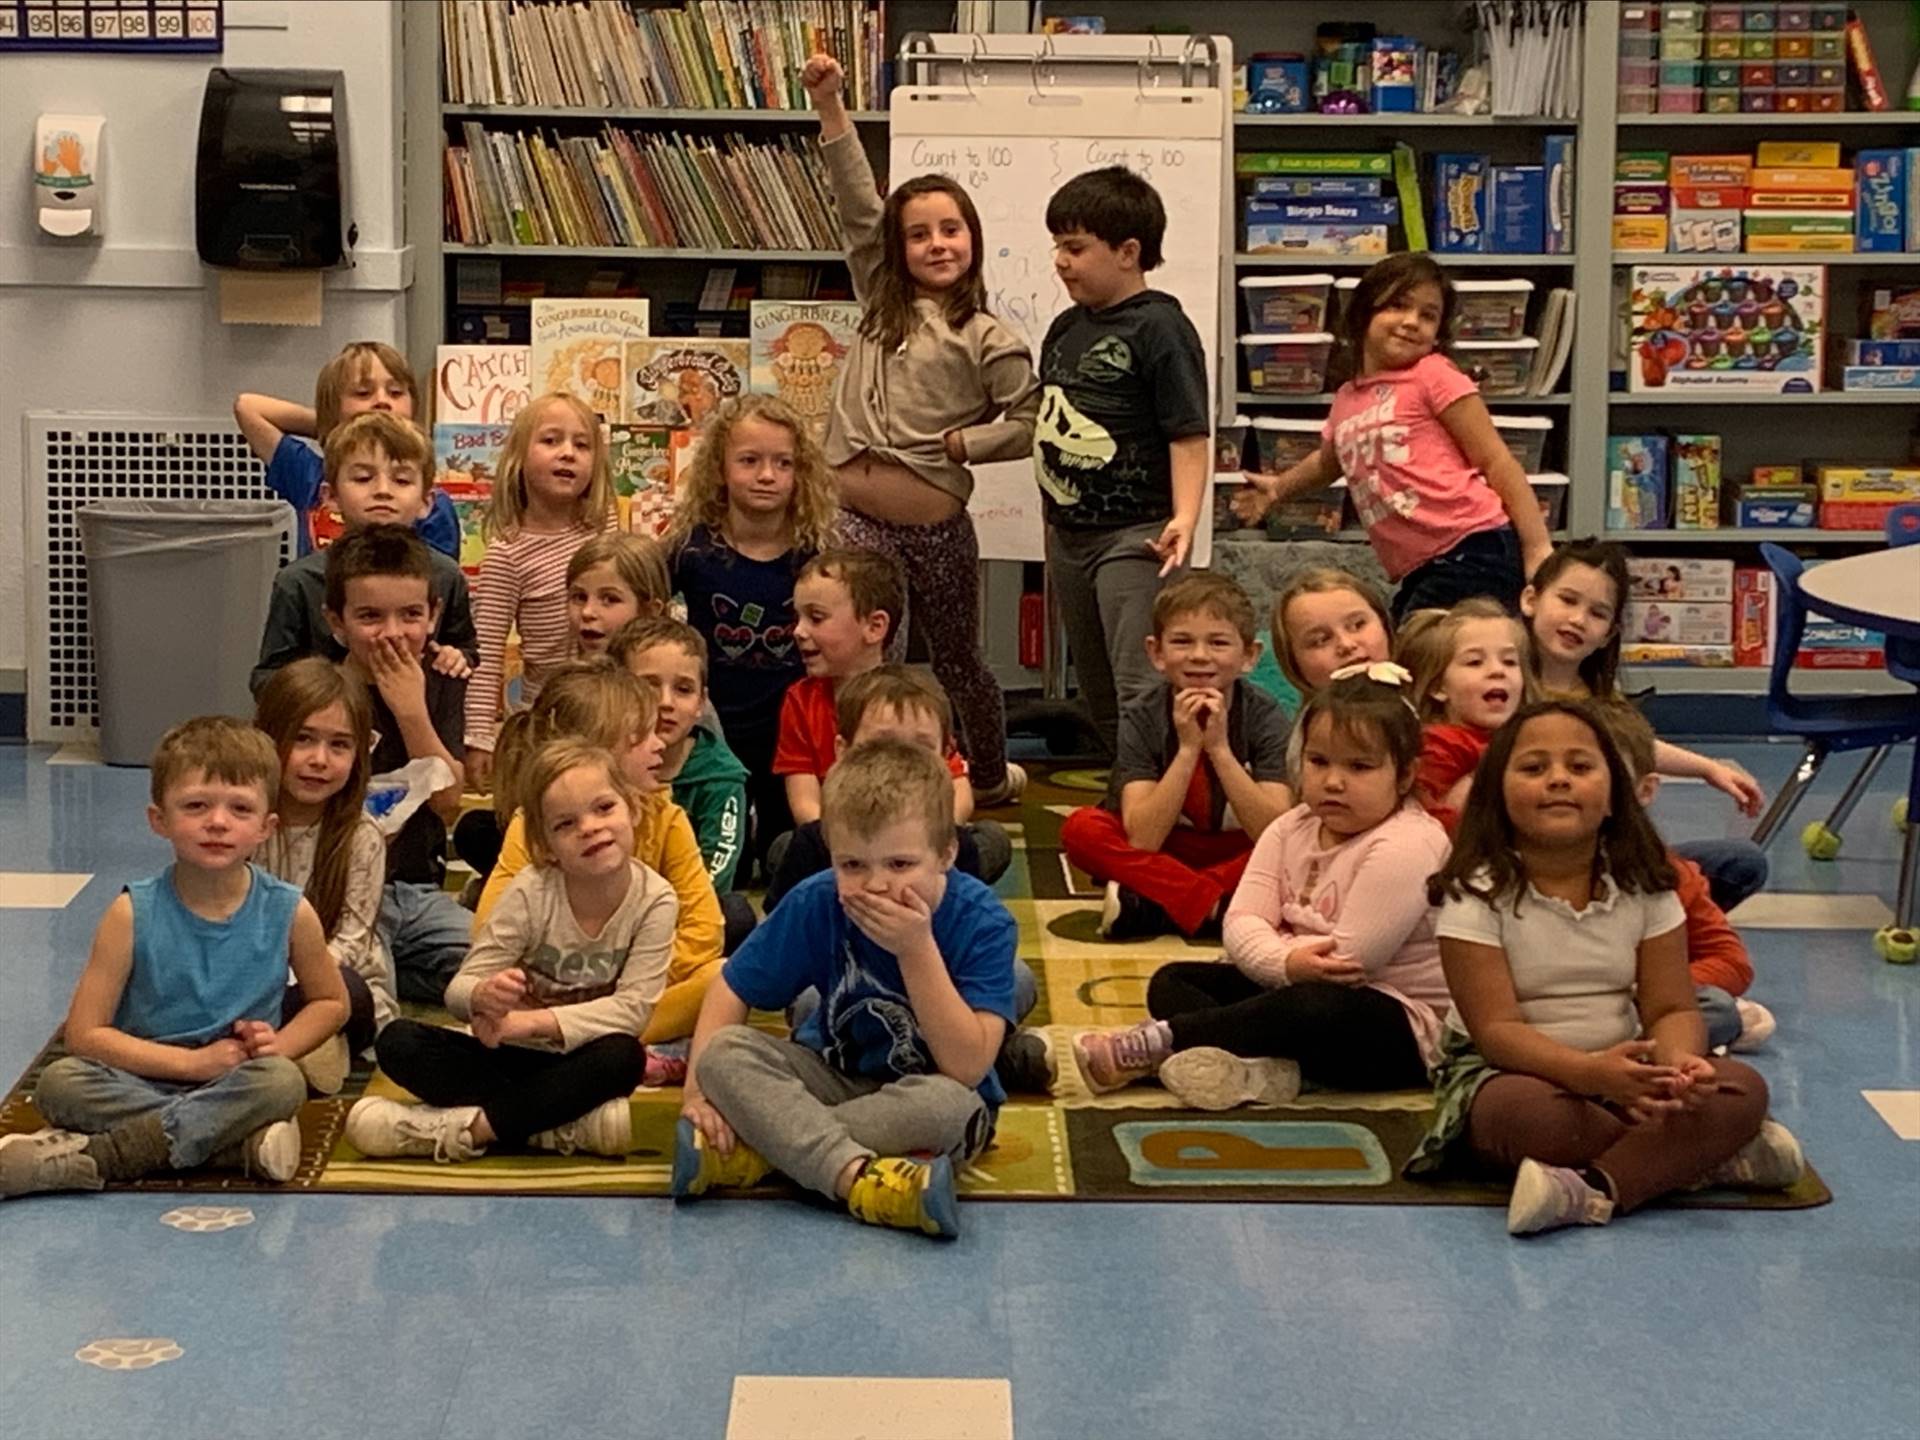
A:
(130, 1149)
(906, 1194)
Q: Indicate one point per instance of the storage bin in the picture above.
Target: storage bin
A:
(1490, 309)
(1636, 19)
(1756, 47)
(1639, 47)
(1793, 47)
(1500, 367)
(1756, 74)
(1828, 15)
(1723, 75)
(1286, 304)
(1679, 72)
(1280, 444)
(1722, 102)
(1757, 102)
(1317, 514)
(1727, 46)
(1526, 437)
(1551, 491)
(1639, 74)
(1680, 102)
(1826, 102)
(1722, 17)
(1758, 16)
(1225, 522)
(1828, 45)
(1688, 17)
(1287, 364)
(1794, 75)
(1682, 47)
(1793, 17)
(1793, 102)
(1230, 446)
(1827, 75)
(1637, 100)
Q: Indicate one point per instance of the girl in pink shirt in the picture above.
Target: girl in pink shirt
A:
(1332, 972)
(1447, 508)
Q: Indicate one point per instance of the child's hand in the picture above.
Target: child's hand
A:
(259, 1038)
(708, 1121)
(1188, 721)
(479, 768)
(1313, 959)
(955, 447)
(1531, 560)
(1626, 1076)
(1731, 779)
(1213, 720)
(822, 77)
(448, 661)
(487, 1029)
(397, 675)
(899, 927)
(1172, 546)
(1696, 1079)
(217, 1057)
(498, 994)
(1252, 501)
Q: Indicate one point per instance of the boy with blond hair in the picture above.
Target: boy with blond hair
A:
(176, 1054)
(915, 964)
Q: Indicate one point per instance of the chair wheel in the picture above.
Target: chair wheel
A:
(1900, 814)
(1897, 947)
(1819, 842)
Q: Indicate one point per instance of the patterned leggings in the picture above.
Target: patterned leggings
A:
(942, 564)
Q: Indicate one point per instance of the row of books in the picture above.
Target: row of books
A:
(642, 188)
(707, 54)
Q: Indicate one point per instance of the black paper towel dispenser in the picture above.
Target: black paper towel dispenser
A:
(270, 188)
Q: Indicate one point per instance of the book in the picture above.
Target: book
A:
(796, 350)
(466, 459)
(1342, 212)
(1866, 74)
(1517, 209)
(641, 461)
(1559, 154)
(1335, 162)
(678, 382)
(482, 384)
(579, 347)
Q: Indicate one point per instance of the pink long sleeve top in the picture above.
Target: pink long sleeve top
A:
(1369, 892)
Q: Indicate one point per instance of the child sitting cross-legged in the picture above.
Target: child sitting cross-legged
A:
(916, 966)
(561, 981)
(1201, 771)
(177, 1054)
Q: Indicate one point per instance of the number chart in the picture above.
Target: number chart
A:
(153, 27)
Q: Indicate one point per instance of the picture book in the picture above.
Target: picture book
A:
(797, 349)
(579, 347)
(679, 381)
(480, 384)
(466, 458)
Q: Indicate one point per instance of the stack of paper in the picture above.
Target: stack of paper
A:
(1533, 54)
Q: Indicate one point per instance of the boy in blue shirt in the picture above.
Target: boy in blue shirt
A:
(915, 964)
(176, 1054)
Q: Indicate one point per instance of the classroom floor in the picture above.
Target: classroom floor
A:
(336, 1315)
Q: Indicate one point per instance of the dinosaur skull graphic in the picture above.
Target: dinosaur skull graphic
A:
(1068, 442)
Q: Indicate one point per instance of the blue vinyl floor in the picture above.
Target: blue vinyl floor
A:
(379, 1316)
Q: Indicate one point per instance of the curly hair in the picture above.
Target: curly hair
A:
(703, 497)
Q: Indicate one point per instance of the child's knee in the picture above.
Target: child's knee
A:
(1743, 1090)
(60, 1092)
(277, 1081)
(1088, 831)
(726, 1051)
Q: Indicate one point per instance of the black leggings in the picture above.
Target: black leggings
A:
(522, 1091)
(1344, 1037)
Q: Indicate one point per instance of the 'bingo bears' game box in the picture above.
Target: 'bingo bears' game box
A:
(1724, 327)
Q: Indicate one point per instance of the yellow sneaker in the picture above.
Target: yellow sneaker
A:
(698, 1168)
(906, 1194)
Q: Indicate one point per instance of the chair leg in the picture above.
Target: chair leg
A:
(1909, 863)
(1857, 787)
(1790, 793)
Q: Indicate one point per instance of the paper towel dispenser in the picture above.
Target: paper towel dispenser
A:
(270, 189)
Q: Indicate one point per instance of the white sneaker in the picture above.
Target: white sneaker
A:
(1007, 792)
(46, 1160)
(1211, 1079)
(272, 1152)
(1547, 1197)
(604, 1130)
(1756, 1026)
(326, 1065)
(1772, 1160)
(386, 1128)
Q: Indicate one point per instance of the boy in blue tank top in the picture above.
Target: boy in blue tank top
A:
(174, 1059)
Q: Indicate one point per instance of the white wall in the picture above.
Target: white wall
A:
(130, 324)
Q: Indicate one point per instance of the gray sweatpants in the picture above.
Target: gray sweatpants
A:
(1106, 582)
(810, 1120)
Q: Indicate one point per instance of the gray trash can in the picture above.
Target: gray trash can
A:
(178, 593)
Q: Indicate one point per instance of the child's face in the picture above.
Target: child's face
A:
(831, 637)
(939, 247)
(1200, 651)
(321, 758)
(559, 464)
(893, 860)
(675, 677)
(1328, 629)
(1573, 615)
(887, 722)
(599, 603)
(385, 609)
(373, 488)
(1481, 685)
(1348, 781)
(1404, 329)
(640, 761)
(213, 825)
(589, 825)
(1557, 787)
(1092, 272)
(375, 389)
(759, 467)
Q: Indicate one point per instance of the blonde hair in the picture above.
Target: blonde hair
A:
(401, 441)
(1428, 649)
(345, 370)
(639, 562)
(703, 496)
(508, 507)
(592, 700)
(287, 701)
(881, 782)
(219, 747)
(548, 764)
(1321, 580)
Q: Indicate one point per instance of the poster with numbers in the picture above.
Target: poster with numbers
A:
(153, 27)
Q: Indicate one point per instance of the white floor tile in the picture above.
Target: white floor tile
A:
(1773, 910)
(31, 890)
(1899, 1108)
(802, 1407)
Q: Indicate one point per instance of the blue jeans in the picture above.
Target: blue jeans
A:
(1484, 563)
(1026, 994)
(1720, 1013)
(200, 1120)
(427, 933)
(1735, 869)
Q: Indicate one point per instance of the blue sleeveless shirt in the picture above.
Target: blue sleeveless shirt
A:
(193, 977)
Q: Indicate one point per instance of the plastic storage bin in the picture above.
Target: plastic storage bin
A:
(1286, 304)
(1282, 444)
(1316, 514)
(1526, 437)
(1501, 367)
(1551, 491)
(1230, 446)
(1490, 309)
(178, 592)
(1287, 364)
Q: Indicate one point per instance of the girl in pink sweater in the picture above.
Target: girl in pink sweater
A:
(1332, 972)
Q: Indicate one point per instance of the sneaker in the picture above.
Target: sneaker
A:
(1007, 792)
(1025, 1063)
(1125, 915)
(1210, 1079)
(46, 1160)
(664, 1068)
(1756, 1025)
(327, 1065)
(271, 1153)
(1772, 1160)
(906, 1194)
(386, 1128)
(1547, 1197)
(698, 1167)
(1109, 1059)
(604, 1130)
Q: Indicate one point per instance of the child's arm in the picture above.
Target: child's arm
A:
(720, 831)
(1013, 395)
(496, 598)
(356, 940)
(797, 759)
(1716, 955)
(1257, 803)
(402, 682)
(1386, 899)
(318, 976)
(964, 1041)
(1263, 492)
(456, 624)
(803, 798)
(264, 420)
(503, 933)
(962, 799)
(1149, 809)
(1456, 797)
(854, 193)
(1722, 775)
(720, 1009)
(1258, 944)
(288, 635)
(699, 929)
(1470, 424)
(1191, 459)
(1670, 1020)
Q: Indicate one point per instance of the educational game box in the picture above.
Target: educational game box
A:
(578, 347)
(1711, 328)
(680, 381)
(798, 350)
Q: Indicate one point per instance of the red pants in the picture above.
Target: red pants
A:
(1187, 876)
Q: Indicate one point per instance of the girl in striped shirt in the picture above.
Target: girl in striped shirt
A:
(554, 493)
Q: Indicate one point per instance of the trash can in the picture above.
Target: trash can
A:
(177, 591)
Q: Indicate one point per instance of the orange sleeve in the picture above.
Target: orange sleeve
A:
(1716, 955)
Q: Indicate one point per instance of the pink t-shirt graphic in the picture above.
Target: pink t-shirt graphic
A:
(1413, 489)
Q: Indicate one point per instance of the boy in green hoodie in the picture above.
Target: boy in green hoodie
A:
(707, 779)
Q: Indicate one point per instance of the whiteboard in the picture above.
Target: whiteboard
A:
(1012, 147)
